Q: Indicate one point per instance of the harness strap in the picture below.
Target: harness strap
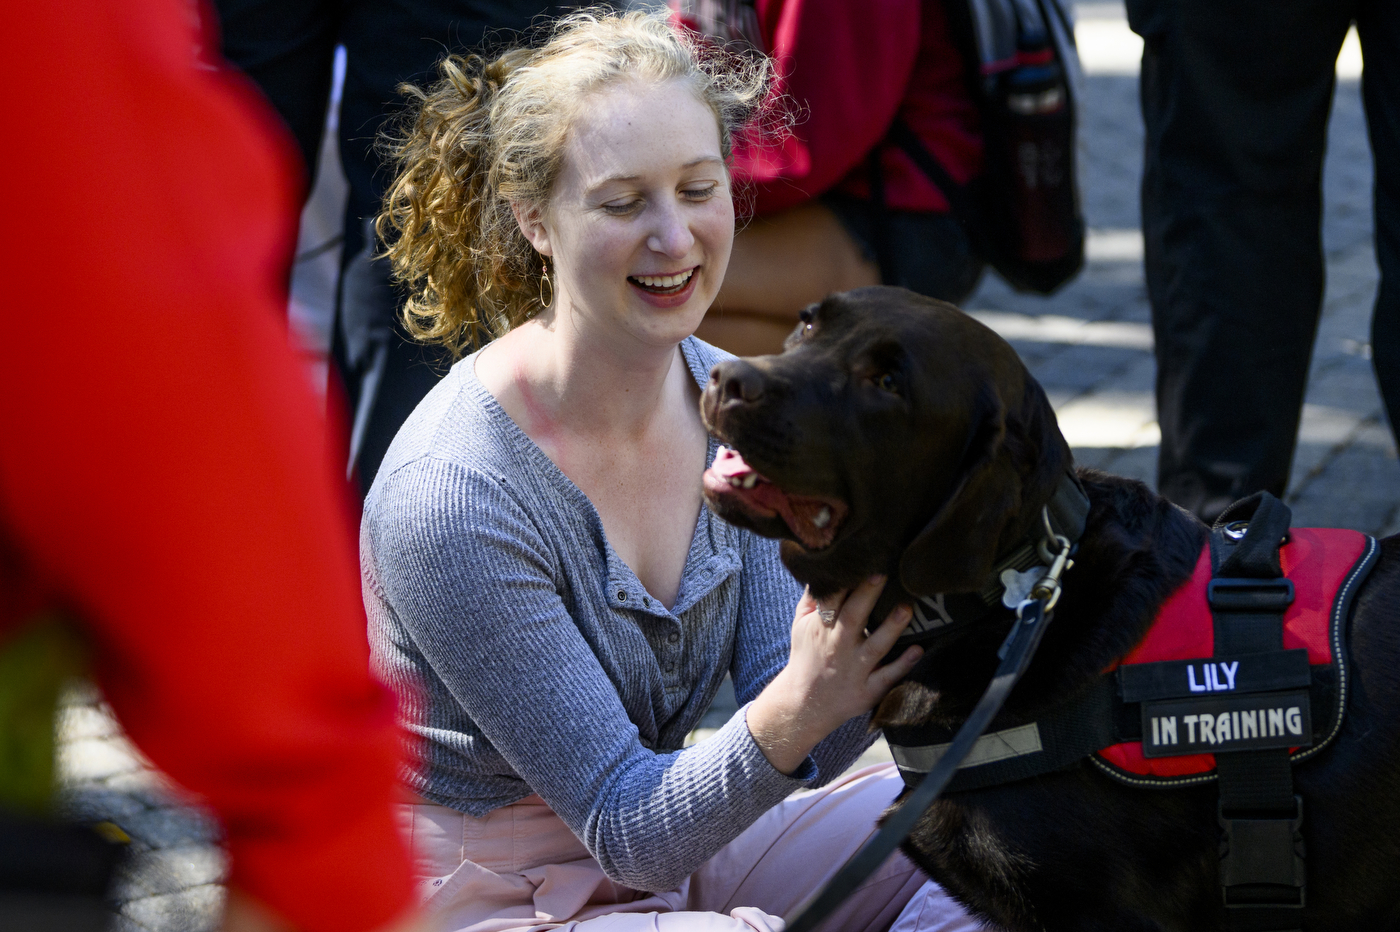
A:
(1273, 705)
(1262, 871)
(1055, 741)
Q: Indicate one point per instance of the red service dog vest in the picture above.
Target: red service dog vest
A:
(1194, 703)
(1156, 718)
(1246, 660)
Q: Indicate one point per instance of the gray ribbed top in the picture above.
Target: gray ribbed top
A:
(529, 658)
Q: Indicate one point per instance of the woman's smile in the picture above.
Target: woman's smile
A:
(670, 290)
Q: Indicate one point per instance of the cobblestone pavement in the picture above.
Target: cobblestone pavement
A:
(171, 880)
(1090, 345)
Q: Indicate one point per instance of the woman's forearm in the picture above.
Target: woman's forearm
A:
(780, 729)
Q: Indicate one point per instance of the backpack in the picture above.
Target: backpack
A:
(1022, 215)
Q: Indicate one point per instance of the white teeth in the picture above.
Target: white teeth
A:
(823, 517)
(750, 480)
(664, 281)
(736, 481)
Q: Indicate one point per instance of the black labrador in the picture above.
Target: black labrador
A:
(897, 435)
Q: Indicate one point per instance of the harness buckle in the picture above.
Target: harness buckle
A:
(1233, 594)
(1262, 861)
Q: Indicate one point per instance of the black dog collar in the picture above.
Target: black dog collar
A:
(1014, 573)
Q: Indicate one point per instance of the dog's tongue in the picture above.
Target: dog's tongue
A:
(810, 519)
(755, 490)
(728, 464)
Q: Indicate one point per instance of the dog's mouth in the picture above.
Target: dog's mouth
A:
(732, 483)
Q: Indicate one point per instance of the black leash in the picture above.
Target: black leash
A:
(1032, 617)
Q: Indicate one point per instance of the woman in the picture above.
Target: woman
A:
(546, 591)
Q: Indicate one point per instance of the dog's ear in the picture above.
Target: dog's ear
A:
(955, 550)
(1015, 457)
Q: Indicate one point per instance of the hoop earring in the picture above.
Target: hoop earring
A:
(544, 280)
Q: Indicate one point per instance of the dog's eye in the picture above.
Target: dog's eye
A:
(886, 383)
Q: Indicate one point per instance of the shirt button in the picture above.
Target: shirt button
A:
(675, 636)
(670, 668)
(622, 595)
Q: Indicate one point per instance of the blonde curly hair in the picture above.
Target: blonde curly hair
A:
(489, 134)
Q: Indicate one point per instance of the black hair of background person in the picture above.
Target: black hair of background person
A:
(1235, 101)
(288, 47)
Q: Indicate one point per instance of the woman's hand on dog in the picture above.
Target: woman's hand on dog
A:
(833, 673)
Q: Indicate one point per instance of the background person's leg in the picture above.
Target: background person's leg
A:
(1235, 98)
(384, 371)
(286, 47)
(1378, 24)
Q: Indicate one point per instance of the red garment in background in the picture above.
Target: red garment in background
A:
(852, 67)
(163, 471)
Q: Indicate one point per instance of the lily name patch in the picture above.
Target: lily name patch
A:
(1226, 723)
(1239, 673)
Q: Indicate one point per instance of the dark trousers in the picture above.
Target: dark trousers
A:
(287, 47)
(1235, 98)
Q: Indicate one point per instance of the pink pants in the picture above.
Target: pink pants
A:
(520, 868)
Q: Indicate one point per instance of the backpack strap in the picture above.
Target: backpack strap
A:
(961, 198)
(880, 217)
(1262, 874)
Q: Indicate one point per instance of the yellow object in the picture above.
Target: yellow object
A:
(112, 832)
(35, 663)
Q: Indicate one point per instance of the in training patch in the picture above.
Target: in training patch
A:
(1226, 723)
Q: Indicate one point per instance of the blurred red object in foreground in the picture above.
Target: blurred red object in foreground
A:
(163, 471)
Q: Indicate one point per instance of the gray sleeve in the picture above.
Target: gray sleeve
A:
(767, 602)
(473, 582)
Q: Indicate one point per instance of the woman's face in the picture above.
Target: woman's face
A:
(640, 222)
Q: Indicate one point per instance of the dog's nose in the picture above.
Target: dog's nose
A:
(736, 380)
